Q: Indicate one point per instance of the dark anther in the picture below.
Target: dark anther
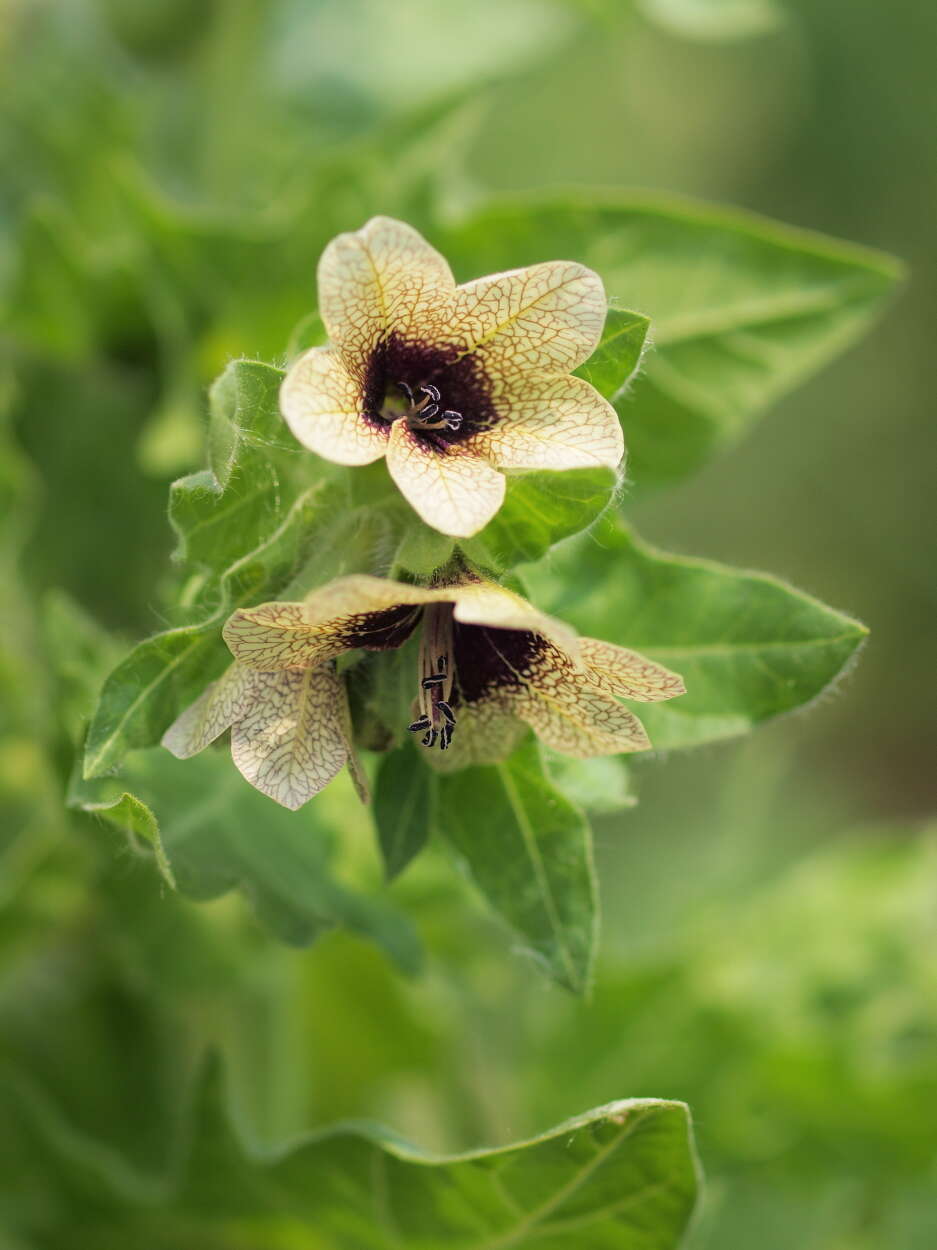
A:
(407, 390)
(427, 414)
(442, 663)
(419, 725)
(437, 680)
(452, 420)
(445, 737)
(446, 711)
(429, 739)
(432, 391)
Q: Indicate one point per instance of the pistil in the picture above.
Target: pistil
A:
(436, 721)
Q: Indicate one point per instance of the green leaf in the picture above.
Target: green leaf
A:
(622, 1175)
(741, 309)
(613, 363)
(599, 786)
(403, 803)
(222, 511)
(539, 510)
(529, 850)
(747, 646)
(164, 674)
(212, 833)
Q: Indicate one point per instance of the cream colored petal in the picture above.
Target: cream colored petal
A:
(476, 602)
(486, 603)
(547, 317)
(551, 422)
(580, 721)
(358, 594)
(323, 406)
(454, 492)
(277, 636)
(384, 279)
(567, 712)
(619, 671)
(211, 714)
(291, 741)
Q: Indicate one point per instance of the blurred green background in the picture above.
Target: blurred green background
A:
(170, 174)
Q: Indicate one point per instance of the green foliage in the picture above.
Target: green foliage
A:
(403, 806)
(232, 506)
(530, 852)
(614, 362)
(622, 1175)
(162, 675)
(747, 646)
(539, 510)
(215, 833)
(741, 309)
(171, 179)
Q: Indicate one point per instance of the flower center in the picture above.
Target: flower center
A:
(425, 409)
(436, 721)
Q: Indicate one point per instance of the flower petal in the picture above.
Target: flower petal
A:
(549, 316)
(451, 490)
(276, 636)
(619, 671)
(550, 421)
(553, 696)
(323, 406)
(486, 603)
(291, 741)
(381, 280)
(334, 619)
(211, 714)
(358, 594)
(580, 721)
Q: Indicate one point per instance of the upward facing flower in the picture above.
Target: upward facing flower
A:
(450, 383)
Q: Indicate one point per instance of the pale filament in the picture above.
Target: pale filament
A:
(428, 413)
(436, 721)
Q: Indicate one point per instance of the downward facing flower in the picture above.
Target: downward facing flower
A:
(489, 664)
(450, 383)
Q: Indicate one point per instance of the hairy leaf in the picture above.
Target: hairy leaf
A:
(539, 510)
(623, 1175)
(741, 308)
(212, 833)
(162, 675)
(613, 363)
(222, 511)
(747, 646)
(529, 850)
(403, 803)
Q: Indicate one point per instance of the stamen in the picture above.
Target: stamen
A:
(425, 414)
(437, 724)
